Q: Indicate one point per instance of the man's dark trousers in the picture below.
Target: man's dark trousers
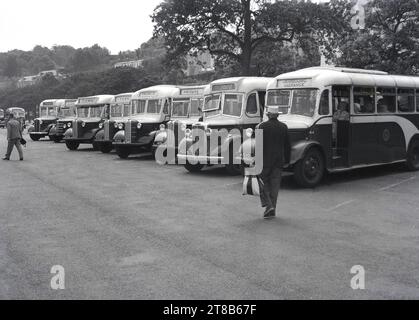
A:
(271, 178)
(11, 144)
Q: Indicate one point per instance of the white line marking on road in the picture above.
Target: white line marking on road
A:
(340, 205)
(396, 184)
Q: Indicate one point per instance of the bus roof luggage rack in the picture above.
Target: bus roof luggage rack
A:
(350, 70)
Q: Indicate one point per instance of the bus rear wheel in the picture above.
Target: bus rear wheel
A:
(413, 156)
(95, 146)
(235, 169)
(123, 153)
(106, 148)
(193, 167)
(71, 145)
(309, 171)
(34, 137)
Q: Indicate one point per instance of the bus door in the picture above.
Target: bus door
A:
(341, 128)
(364, 143)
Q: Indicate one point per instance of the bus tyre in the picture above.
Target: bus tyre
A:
(95, 146)
(34, 137)
(235, 169)
(309, 171)
(106, 148)
(71, 145)
(123, 153)
(413, 156)
(193, 167)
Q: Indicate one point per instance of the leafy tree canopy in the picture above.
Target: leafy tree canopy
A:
(234, 30)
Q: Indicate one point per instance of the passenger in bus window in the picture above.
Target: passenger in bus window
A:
(342, 113)
(382, 107)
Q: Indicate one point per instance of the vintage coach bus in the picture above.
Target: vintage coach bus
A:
(66, 113)
(19, 114)
(150, 111)
(90, 112)
(341, 119)
(119, 114)
(2, 118)
(46, 120)
(231, 103)
(186, 109)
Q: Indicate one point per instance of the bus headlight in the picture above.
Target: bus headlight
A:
(116, 125)
(69, 125)
(162, 127)
(249, 132)
(183, 127)
(208, 131)
(40, 122)
(188, 133)
(120, 126)
(83, 124)
(139, 125)
(101, 125)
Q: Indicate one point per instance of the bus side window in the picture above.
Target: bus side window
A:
(166, 107)
(324, 108)
(406, 100)
(262, 95)
(386, 100)
(251, 105)
(417, 100)
(364, 100)
(341, 98)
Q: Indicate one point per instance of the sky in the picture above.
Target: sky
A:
(118, 25)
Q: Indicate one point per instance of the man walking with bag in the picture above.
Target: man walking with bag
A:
(276, 153)
(14, 135)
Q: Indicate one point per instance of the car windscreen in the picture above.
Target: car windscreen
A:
(43, 112)
(138, 106)
(279, 98)
(304, 102)
(212, 105)
(196, 107)
(117, 110)
(180, 108)
(233, 104)
(65, 112)
(83, 112)
(96, 111)
(153, 106)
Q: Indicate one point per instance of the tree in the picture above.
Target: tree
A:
(11, 68)
(389, 42)
(232, 30)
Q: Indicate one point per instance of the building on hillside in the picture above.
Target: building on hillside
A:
(31, 80)
(202, 63)
(130, 64)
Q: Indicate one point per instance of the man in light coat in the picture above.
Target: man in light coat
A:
(14, 134)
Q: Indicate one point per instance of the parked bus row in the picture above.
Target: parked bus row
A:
(19, 114)
(338, 119)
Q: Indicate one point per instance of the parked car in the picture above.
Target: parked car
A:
(90, 113)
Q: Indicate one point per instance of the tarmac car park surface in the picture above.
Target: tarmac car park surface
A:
(133, 229)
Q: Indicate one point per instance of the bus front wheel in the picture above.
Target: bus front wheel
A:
(71, 145)
(309, 171)
(34, 137)
(106, 148)
(413, 156)
(123, 153)
(193, 167)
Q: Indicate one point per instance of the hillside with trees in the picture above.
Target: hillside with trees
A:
(245, 37)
